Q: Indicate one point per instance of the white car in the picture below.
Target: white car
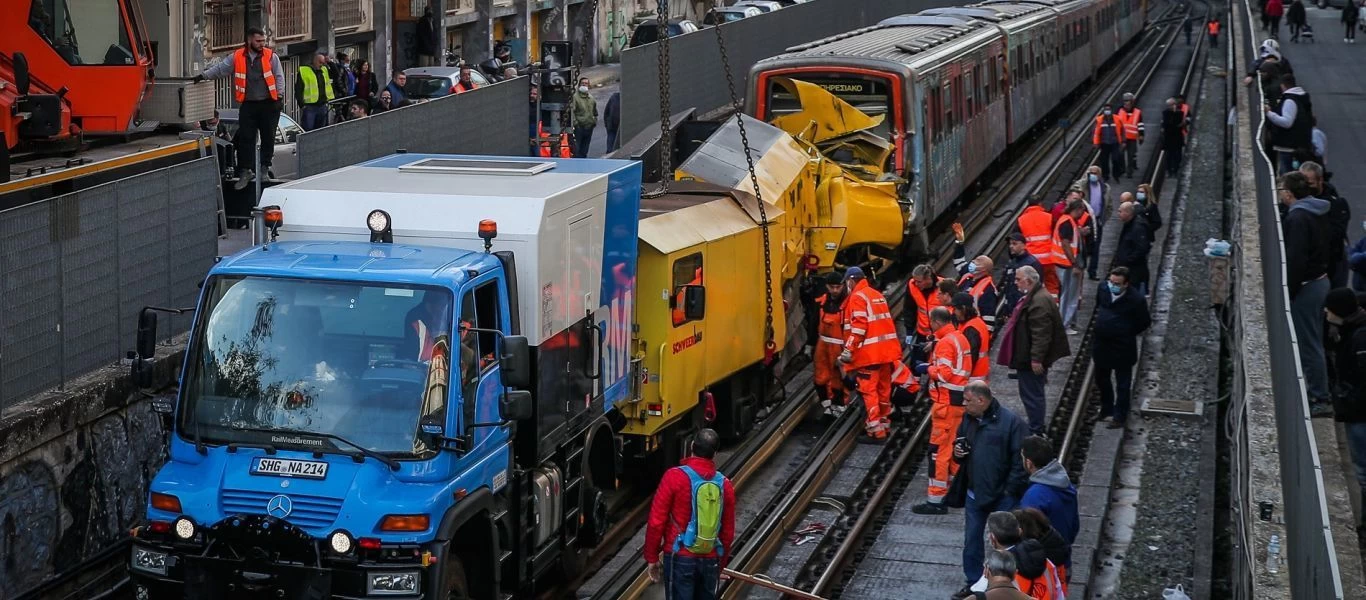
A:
(763, 5)
(425, 83)
(729, 15)
(286, 163)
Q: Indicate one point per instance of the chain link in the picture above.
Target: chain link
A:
(754, 180)
(665, 131)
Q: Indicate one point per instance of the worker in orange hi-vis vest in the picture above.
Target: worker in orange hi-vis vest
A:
(949, 369)
(829, 343)
(871, 348)
(976, 332)
(922, 295)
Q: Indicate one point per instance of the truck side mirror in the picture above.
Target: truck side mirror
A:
(515, 365)
(147, 334)
(694, 302)
(516, 405)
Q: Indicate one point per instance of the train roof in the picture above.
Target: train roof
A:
(896, 41)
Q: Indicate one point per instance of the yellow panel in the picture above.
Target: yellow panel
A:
(498, 30)
(533, 46)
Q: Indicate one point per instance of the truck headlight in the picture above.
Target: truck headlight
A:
(340, 542)
(184, 528)
(149, 561)
(392, 583)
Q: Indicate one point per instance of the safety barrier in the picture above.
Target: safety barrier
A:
(1308, 548)
(696, 77)
(79, 267)
(493, 119)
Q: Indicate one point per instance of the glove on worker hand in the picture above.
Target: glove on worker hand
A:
(846, 357)
(921, 368)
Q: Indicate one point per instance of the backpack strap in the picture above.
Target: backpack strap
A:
(693, 479)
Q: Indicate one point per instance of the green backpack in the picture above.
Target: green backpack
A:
(704, 527)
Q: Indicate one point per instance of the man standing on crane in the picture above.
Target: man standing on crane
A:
(256, 77)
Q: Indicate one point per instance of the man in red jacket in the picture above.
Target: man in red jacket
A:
(674, 530)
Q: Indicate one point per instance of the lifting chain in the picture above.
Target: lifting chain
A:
(666, 173)
(770, 347)
(565, 115)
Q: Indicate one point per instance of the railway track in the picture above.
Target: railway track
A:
(835, 558)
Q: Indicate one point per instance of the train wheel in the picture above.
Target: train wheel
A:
(455, 584)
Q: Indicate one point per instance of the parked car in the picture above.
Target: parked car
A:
(647, 32)
(425, 83)
(286, 163)
(728, 15)
(763, 5)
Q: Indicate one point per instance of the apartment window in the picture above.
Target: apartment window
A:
(292, 19)
(226, 24)
(459, 6)
(349, 13)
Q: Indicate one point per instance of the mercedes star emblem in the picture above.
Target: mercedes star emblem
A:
(280, 506)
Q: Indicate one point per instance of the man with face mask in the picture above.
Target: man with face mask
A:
(974, 277)
(1108, 137)
(1121, 316)
(1096, 193)
(1339, 216)
(1307, 254)
(585, 111)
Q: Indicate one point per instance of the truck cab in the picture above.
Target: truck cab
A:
(377, 404)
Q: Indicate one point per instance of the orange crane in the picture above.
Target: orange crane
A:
(66, 73)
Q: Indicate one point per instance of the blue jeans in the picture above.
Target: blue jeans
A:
(689, 578)
(1032, 396)
(1069, 295)
(315, 117)
(974, 533)
(1306, 314)
(1356, 443)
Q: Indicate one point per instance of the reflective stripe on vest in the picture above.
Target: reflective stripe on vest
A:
(1061, 246)
(879, 343)
(309, 78)
(239, 74)
(1101, 125)
(981, 368)
(923, 305)
(1133, 122)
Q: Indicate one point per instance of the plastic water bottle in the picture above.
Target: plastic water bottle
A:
(1273, 555)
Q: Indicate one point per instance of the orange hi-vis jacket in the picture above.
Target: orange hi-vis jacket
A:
(869, 332)
(1133, 122)
(829, 344)
(1060, 246)
(1035, 224)
(903, 377)
(923, 305)
(1213, 27)
(981, 367)
(1102, 124)
(950, 366)
(239, 74)
(1047, 586)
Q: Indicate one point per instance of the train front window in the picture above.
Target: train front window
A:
(83, 32)
(868, 94)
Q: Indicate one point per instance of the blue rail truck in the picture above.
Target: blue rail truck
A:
(405, 392)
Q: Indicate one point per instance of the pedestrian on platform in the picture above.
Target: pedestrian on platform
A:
(1108, 137)
(999, 571)
(313, 90)
(1351, 13)
(692, 523)
(357, 109)
(1036, 225)
(1212, 28)
(1035, 526)
(1339, 216)
(1121, 316)
(829, 343)
(585, 110)
(1274, 10)
(395, 88)
(1034, 339)
(976, 331)
(1018, 250)
(1295, 17)
(1173, 137)
(346, 82)
(1132, 116)
(981, 289)
(367, 86)
(1292, 131)
(988, 448)
(257, 80)
(871, 348)
(1096, 193)
(1266, 19)
(1050, 489)
(1356, 257)
(1134, 245)
(1307, 254)
(465, 82)
(1036, 576)
(922, 295)
(949, 369)
(611, 120)
(1148, 208)
(1067, 261)
(1348, 321)
(1320, 141)
(384, 103)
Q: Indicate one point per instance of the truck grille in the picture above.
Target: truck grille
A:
(309, 512)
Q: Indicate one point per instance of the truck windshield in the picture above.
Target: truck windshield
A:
(368, 363)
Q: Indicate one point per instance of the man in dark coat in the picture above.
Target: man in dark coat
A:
(988, 448)
(1134, 245)
(428, 37)
(1347, 337)
(1121, 316)
(1308, 252)
(1173, 138)
(1019, 257)
(611, 119)
(1339, 216)
(1037, 340)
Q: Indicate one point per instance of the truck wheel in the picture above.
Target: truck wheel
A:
(595, 521)
(455, 585)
